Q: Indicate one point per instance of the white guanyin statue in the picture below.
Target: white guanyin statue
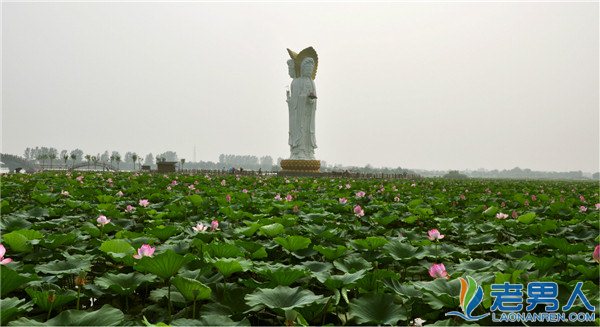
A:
(302, 104)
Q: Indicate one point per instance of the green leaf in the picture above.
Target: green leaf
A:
(163, 265)
(40, 298)
(54, 241)
(293, 243)
(12, 307)
(272, 229)
(20, 240)
(10, 280)
(229, 266)
(73, 265)
(281, 297)
(339, 281)
(164, 232)
(564, 246)
(377, 309)
(371, 243)
(192, 289)
(353, 264)
(105, 316)
(527, 218)
(196, 200)
(331, 253)
(123, 284)
(118, 249)
(223, 250)
(210, 320)
(44, 198)
(403, 251)
(283, 276)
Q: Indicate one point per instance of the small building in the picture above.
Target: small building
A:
(146, 167)
(166, 166)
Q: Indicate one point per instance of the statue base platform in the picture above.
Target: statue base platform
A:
(294, 167)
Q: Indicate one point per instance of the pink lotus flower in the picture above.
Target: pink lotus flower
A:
(4, 260)
(244, 191)
(64, 193)
(102, 220)
(503, 204)
(109, 181)
(595, 255)
(277, 197)
(413, 185)
(360, 194)
(79, 178)
(119, 194)
(223, 183)
(129, 208)
(173, 183)
(144, 251)
(358, 211)
(144, 202)
(396, 199)
(343, 200)
(582, 208)
(462, 197)
(434, 235)
(526, 203)
(169, 188)
(597, 206)
(192, 187)
(214, 225)
(228, 198)
(501, 215)
(289, 198)
(533, 198)
(200, 227)
(437, 270)
(348, 186)
(514, 214)
(581, 198)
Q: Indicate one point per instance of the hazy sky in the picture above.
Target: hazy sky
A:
(457, 85)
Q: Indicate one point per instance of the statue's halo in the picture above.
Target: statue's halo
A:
(306, 53)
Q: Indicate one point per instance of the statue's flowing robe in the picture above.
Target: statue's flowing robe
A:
(302, 108)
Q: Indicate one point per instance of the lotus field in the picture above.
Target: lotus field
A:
(146, 249)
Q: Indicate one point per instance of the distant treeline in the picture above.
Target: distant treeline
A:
(515, 173)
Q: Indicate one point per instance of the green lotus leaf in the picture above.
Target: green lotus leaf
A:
(40, 298)
(12, 307)
(162, 293)
(272, 229)
(229, 266)
(105, 316)
(281, 297)
(353, 264)
(331, 253)
(564, 246)
(54, 241)
(44, 198)
(72, 265)
(223, 250)
(163, 265)
(293, 243)
(403, 251)
(123, 284)
(10, 280)
(527, 218)
(339, 281)
(210, 320)
(20, 240)
(192, 289)
(118, 249)
(283, 276)
(164, 232)
(371, 243)
(379, 309)
(196, 200)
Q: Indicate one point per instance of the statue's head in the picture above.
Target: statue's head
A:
(307, 66)
(291, 68)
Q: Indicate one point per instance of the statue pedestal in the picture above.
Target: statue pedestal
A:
(293, 167)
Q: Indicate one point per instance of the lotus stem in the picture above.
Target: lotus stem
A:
(78, 295)
(194, 310)
(169, 297)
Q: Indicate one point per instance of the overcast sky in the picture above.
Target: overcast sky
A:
(458, 85)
